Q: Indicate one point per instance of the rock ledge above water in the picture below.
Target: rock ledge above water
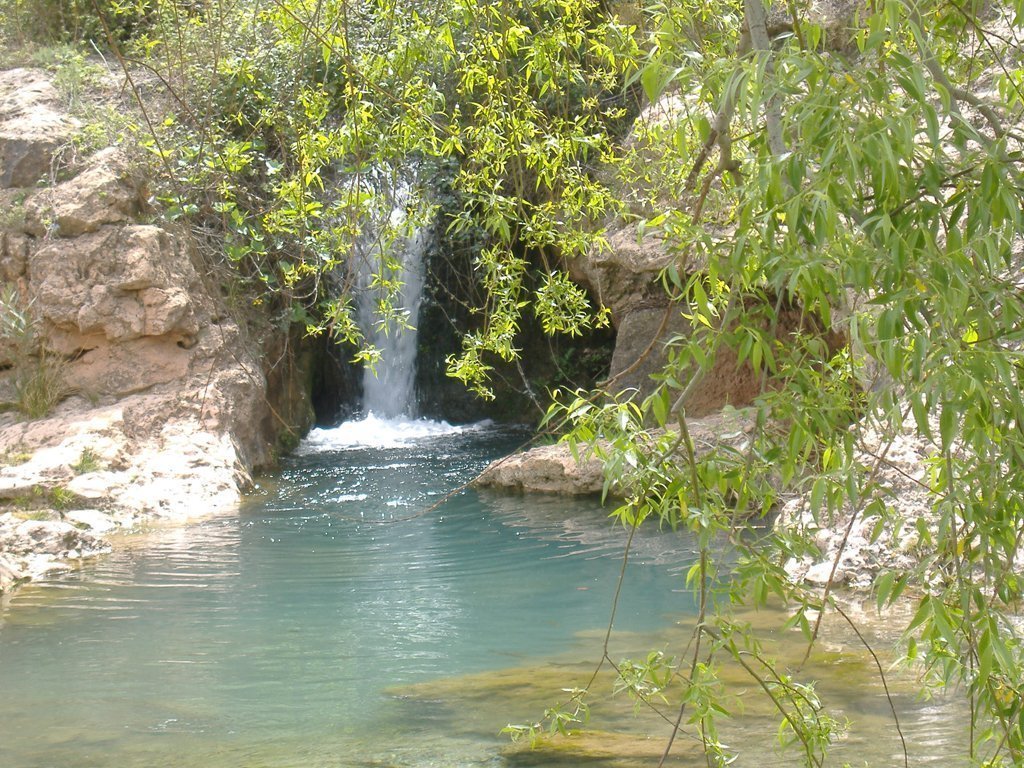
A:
(163, 398)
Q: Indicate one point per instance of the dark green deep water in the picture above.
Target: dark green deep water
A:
(285, 635)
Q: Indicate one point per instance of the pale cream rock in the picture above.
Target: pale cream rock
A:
(32, 126)
(168, 399)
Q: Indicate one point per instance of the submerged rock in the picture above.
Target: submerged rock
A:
(589, 746)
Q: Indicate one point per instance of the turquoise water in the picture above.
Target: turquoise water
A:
(289, 634)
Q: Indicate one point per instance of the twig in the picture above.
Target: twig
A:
(881, 675)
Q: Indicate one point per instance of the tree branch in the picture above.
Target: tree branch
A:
(757, 25)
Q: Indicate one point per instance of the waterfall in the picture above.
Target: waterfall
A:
(391, 253)
(389, 387)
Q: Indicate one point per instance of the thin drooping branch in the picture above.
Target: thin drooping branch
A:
(757, 25)
(956, 93)
(881, 676)
(855, 514)
(719, 135)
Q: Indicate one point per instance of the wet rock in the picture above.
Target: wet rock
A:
(48, 537)
(10, 573)
(32, 126)
(546, 469)
(93, 520)
(30, 548)
(554, 469)
(586, 746)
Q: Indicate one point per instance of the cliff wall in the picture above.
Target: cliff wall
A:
(130, 391)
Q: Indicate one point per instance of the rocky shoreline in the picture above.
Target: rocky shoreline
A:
(849, 554)
(554, 468)
(161, 402)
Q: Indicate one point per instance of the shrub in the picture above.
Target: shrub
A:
(66, 21)
(38, 375)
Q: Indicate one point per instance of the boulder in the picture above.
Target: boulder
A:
(32, 126)
(106, 192)
(554, 469)
(545, 469)
(624, 275)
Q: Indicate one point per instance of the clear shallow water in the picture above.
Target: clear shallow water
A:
(308, 629)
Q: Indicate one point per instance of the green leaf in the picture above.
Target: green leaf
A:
(818, 489)
(652, 80)
(883, 588)
(920, 411)
(948, 425)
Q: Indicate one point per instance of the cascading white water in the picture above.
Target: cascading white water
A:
(389, 387)
(392, 251)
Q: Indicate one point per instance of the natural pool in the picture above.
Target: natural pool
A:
(336, 622)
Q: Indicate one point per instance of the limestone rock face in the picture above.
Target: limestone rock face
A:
(104, 193)
(624, 276)
(165, 408)
(626, 280)
(32, 126)
(13, 255)
(122, 283)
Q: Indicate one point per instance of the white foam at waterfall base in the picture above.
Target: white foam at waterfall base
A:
(372, 431)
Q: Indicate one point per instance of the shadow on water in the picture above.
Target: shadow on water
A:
(334, 623)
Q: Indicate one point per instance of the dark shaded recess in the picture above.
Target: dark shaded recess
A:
(335, 383)
(289, 414)
(521, 390)
(336, 388)
(446, 314)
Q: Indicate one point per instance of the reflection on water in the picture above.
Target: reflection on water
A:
(338, 620)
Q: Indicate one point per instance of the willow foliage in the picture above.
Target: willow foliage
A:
(880, 180)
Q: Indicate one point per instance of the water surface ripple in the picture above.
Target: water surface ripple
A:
(285, 635)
